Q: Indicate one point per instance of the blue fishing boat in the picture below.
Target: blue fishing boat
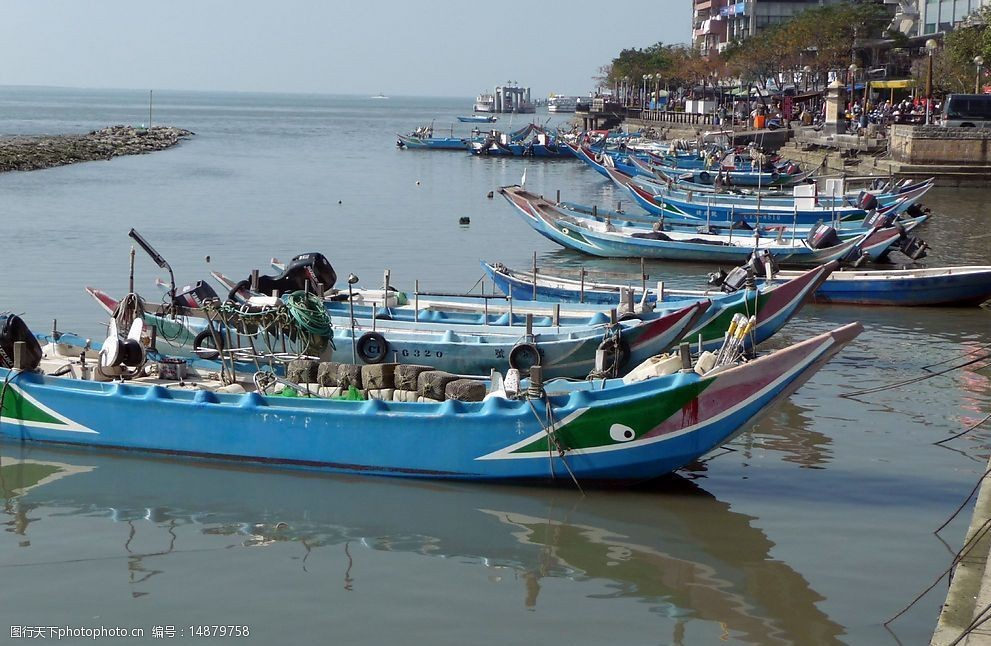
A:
(689, 205)
(616, 242)
(561, 351)
(920, 287)
(606, 431)
(414, 142)
(775, 304)
(478, 118)
(672, 221)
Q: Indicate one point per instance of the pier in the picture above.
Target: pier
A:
(512, 98)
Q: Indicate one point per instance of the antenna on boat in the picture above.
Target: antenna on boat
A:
(156, 257)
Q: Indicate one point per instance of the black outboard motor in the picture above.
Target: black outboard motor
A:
(195, 295)
(762, 263)
(12, 330)
(823, 236)
(878, 220)
(867, 201)
(305, 271)
(735, 279)
(913, 247)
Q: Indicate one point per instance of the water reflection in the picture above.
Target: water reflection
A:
(788, 429)
(673, 547)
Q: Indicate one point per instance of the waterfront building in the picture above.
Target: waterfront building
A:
(716, 23)
(945, 15)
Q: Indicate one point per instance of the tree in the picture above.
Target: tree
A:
(953, 65)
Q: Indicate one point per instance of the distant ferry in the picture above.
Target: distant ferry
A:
(380, 96)
(485, 103)
(561, 103)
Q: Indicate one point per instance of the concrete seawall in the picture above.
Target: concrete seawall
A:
(48, 151)
(968, 601)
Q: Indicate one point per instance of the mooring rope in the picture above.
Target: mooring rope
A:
(916, 379)
(978, 535)
(965, 431)
(549, 430)
(964, 503)
(978, 620)
(953, 358)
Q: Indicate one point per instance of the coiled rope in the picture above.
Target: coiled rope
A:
(309, 313)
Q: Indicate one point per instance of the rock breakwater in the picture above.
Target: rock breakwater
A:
(47, 151)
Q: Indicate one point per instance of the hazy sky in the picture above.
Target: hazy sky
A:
(437, 48)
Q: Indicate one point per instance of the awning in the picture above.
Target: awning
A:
(893, 84)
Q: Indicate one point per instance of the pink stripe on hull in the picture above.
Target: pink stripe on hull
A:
(735, 386)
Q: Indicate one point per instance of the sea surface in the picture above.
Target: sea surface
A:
(814, 527)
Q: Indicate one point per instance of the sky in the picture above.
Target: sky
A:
(437, 48)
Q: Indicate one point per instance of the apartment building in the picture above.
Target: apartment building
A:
(716, 23)
(944, 15)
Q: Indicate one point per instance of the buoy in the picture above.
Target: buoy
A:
(464, 220)
(491, 193)
(208, 258)
(340, 201)
(417, 182)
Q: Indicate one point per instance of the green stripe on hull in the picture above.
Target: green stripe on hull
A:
(716, 328)
(17, 406)
(617, 424)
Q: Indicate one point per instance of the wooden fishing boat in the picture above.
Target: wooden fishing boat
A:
(561, 351)
(935, 286)
(609, 242)
(605, 431)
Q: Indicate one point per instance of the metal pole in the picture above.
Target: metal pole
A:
(354, 341)
(150, 96)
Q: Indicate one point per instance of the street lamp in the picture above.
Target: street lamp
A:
(643, 92)
(806, 72)
(979, 61)
(931, 46)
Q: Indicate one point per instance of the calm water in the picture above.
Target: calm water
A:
(815, 528)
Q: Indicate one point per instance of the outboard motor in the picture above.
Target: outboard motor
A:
(913, 247)
(867, 201)
(878, 220)
(12, 330)
(717, 278)
(763, 263)
(194, 296)
(736, 279)
(304, 271)
(823, 236)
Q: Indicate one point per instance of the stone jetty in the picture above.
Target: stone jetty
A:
(47, 151)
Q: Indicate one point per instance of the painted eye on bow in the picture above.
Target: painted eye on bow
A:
(621, 433)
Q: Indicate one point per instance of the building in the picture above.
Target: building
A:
(716, 23)
(945, 15)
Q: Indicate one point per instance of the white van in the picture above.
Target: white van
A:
(967, 111)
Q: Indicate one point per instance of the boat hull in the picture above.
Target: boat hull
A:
(666, 423)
